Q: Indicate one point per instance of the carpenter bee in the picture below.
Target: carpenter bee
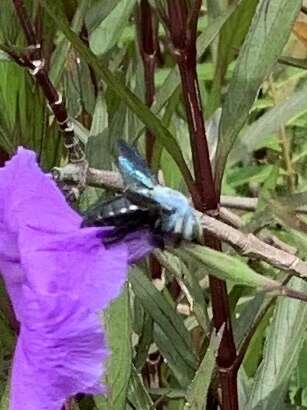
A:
(144, 202)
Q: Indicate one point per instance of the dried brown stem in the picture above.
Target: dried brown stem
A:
(253, 247)
(248, 204)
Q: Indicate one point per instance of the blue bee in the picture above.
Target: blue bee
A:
(144, 202)
(141, 187)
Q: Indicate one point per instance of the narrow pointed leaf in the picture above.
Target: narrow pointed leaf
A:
(164, 316)
(283, 344)
(254, 135)
(106, 35)
(227, 267)
(263, 45)
(197, 391)
(118, 326)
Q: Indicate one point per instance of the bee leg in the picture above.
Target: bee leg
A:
(188, 227)
(178, 228)
(177, 231)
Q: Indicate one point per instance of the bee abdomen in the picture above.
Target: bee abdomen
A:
(119, 212)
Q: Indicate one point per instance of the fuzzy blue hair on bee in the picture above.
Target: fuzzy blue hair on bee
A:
(141, 187)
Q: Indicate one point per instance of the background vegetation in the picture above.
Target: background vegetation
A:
(111, 60)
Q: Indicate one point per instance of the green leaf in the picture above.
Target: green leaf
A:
(178, 269)
(98, 11)
(197, 391)
(174, 358)
(254, 136)
(145, 340)
(4, 56)
(4, 400)
(137, 393)
(231, 38)
(100, 117)
(60, 55)
(165, 316)
(264, 43)
(283, 344)
(245, 314)
(227, 267)
(118, 328)
(125, 94)
(248, 174)
(106, 35)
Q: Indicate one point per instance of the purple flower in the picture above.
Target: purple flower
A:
(59, 277)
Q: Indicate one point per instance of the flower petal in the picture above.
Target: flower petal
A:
(60, 352)
(59, 276)
(28, 196)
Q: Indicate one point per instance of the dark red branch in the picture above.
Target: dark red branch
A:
(183, 44)
(35, 64)
(148, 45)
(182, 29)
(25, 22)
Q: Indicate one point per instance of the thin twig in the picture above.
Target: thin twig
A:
(113, 181)
(235, 221)
(246, 244)
(239, 202)
(251, 246)
(148, 45)
(35, 64)
(249, 204)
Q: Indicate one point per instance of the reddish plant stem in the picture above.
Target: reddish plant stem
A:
(202, 168)
(35, 64)
(148, 45)
(182, 33)
(25, 21)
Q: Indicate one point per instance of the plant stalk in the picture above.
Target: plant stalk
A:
(35, 63)
(182, 28)
(148, 46)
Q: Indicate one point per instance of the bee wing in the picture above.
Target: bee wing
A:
(133, 168)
